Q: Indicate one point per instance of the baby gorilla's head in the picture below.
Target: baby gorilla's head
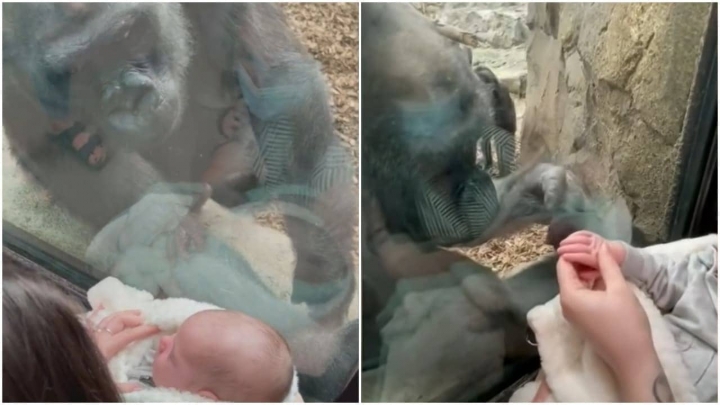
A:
(226, 356)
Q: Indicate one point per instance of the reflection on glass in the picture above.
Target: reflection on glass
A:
(490, 133)
(190, 151)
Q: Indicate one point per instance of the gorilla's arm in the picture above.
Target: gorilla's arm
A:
(122, 68)
(291, 118)
(95, 196)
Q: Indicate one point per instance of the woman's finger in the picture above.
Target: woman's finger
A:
(128, 387)
(122, 339)
(95, 311)
(584, 237)
(137, 333)
(584, 259)
(609, 269)
(129, 319)
(110, 318)
(567, 277)
(124, 322)
(115, 322)
(574, 248)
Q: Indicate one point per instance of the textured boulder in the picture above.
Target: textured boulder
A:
(500, 25)
(501, 29)
(607, 92)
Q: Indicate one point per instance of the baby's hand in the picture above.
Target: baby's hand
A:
(117, 331)
(582, 248)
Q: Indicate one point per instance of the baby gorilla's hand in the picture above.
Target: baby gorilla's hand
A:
(117, 331)
(582, 248)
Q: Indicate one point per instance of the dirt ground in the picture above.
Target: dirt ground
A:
(330, 32)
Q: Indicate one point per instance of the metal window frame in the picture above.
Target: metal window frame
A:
(698, 166)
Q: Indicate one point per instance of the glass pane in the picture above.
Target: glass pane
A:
(116, 118)
(490, 132)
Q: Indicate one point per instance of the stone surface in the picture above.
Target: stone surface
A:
(502, 28)
(607, 90)
(499, 26)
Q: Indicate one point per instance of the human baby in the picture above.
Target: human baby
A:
(210, 353)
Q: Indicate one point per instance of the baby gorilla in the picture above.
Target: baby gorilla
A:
(225, 356)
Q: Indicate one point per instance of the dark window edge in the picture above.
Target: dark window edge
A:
(42, 255)
(699, 142)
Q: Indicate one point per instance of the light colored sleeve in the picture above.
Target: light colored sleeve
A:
(663, 276)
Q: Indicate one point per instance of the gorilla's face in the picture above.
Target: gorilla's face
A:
(420, 86)
(120, 66)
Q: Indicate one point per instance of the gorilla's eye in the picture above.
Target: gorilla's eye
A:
(141, 64)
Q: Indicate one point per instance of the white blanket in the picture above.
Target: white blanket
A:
(575, 373)
(167, 314)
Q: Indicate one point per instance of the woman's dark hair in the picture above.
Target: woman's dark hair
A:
(48, 356)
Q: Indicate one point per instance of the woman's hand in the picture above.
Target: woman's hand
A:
(115, 332)
(127, 387)
(583, 247)
(611, 318)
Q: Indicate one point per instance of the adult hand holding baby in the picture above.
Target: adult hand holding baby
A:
(609, 315)
(117, 331)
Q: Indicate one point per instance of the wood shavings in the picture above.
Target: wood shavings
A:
(505, 254)
(330, 32)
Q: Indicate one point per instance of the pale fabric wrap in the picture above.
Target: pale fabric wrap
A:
(575, 373)
(167, 314)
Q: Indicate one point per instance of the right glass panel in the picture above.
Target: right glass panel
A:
(490, 132)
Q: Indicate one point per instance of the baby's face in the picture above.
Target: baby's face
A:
(201, 343)
(207, 342)
(172, 367)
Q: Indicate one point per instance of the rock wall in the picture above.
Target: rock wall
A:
(607, 92)
(501, 29)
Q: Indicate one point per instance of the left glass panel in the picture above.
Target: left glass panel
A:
(198, 151)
